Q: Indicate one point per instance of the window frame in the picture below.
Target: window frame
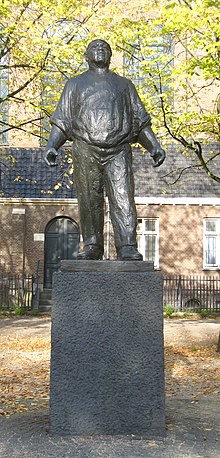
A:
(141, 236)
(216, 235)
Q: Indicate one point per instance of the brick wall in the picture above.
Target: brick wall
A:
(18, 249)
(180, 234)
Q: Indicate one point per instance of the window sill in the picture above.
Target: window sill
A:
(211, 268)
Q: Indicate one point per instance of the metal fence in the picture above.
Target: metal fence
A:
(193, 293)
(16, 291)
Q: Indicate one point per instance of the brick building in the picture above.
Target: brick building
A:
(178, 211)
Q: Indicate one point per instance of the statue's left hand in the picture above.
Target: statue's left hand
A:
(50, 156)
(158, 155)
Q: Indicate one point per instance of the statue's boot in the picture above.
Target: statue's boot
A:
(129, 253)
(92, 252)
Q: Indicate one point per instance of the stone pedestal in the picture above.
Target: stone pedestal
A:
(107, 374)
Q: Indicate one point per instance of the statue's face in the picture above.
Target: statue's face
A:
(98, 53)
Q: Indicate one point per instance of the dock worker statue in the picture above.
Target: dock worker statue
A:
(102, 114)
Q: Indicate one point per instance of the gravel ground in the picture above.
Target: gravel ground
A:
(193, 426)
(191, 331)
(183, 331)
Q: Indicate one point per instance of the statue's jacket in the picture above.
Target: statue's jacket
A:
(101, 110)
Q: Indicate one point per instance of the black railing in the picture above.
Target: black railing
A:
(16, 291)
(194, 293)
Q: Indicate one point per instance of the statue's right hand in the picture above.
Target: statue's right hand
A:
(50, 156)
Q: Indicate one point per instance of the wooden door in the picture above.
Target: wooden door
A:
(61, 242)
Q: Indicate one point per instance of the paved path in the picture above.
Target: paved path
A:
(193, 430)
(193, 427)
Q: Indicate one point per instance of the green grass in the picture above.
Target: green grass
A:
(168, 310)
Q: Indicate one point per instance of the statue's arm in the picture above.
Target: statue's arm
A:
(148, 140)
(56, 140)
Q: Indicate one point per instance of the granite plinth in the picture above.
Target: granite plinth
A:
(107, 371)
(106, 266)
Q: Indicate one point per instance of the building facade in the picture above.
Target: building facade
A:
(178, 215)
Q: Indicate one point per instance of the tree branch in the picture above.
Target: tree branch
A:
(24, 85)
(20, 126)
(180, 172)
(196, 148)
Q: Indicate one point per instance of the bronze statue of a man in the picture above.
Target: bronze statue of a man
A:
(102, 114)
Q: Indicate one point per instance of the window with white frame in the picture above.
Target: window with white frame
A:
(148, 239)
(211, 242)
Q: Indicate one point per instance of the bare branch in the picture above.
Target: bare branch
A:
(24, 85)
(186, 3)
(8, 48)
(180, 172)
(2, 163)
(194, 94)
(201, 88)
(204, 163)
(20, 126)
(196, 147)
(9, 67)
(212, 158)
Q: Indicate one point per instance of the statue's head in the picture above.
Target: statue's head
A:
(98, 53)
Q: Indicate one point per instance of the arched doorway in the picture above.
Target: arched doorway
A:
(61, 242)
